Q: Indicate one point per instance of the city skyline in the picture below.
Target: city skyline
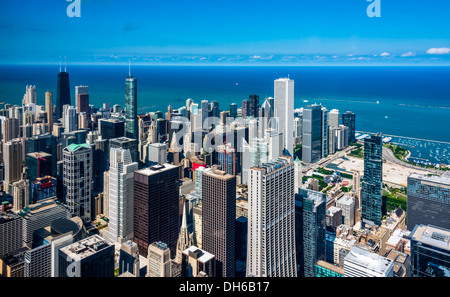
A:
(225, 172)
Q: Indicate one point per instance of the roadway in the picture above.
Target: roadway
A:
(389, 156)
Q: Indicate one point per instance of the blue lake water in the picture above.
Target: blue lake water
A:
(413, 101)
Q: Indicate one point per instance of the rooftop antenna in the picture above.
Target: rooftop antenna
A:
(129, 67)
(65, 64)
(59, 63)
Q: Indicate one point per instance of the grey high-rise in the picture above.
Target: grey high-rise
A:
(312, 133)
(371, 194)
(428, 201)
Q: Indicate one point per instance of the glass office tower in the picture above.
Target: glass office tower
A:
(372, 185)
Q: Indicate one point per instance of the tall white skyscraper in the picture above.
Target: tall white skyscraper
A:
(271, 225)
(30, 96)
(333, 118)
(77, 179)
(70, 119)
(121, 195)
(284, 111)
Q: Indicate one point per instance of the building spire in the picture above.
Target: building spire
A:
(185, 239)
(129, 67)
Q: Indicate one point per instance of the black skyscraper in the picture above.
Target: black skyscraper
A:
(63, 93)
(348, 119)
(253, 106)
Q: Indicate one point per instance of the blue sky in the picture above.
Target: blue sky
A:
(226, 32)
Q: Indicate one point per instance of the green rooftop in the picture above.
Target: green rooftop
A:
(74, 147)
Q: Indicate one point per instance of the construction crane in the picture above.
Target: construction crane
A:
(39, 158)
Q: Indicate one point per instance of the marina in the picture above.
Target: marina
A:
(423, 151)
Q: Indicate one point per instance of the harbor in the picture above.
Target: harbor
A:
(423, 151)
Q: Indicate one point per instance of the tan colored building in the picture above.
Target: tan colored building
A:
(159, 262)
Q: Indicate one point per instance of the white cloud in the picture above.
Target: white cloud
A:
(409, 54)
(439, 51)
(385, 54)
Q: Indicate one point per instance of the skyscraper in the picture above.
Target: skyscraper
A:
(156, 206)
(333, 118)
(245, 110)
(80, 90)
(49, 110)
(284, 111)
(78, 179)
(271, 221)
(254, 105)
(325, 132)
(121, 195)
(13, 156)
(10, 129)
(233, 110)
(218, 219)
(131, 127)
(371, 194)
(204, 110)
(62, 93)
(312, 133)
(45, 143)
(70, 119)
(428, 201)
(159, 260)
(314, 220)
(83, 104)
(348, 120)
(30, 96)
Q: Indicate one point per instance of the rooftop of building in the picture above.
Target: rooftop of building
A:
(332, 210)
(330, 266)
(86, 247)
(156, 169)
(38, 207)
(74, 147)
(219, 174)
(432, 235)
(123, 139)
(397, 236)
(346, 200)
(160, 245)
(369, 260)
(39, 154)
(440, 180)
(15, 257)
(199, 254)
